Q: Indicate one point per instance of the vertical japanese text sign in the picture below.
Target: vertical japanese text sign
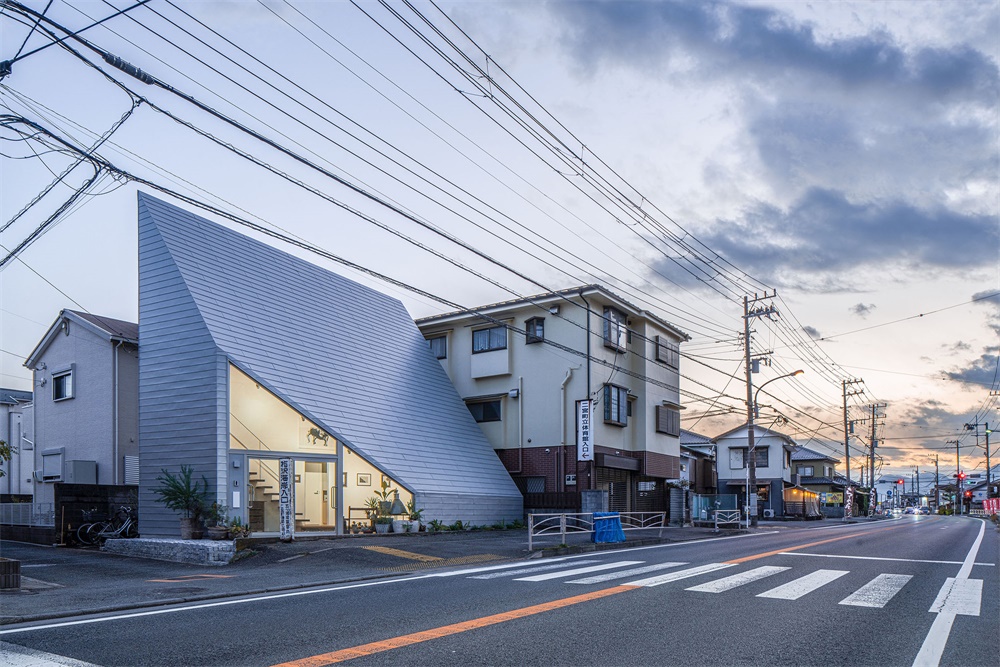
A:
(584, 435)
(286, 514)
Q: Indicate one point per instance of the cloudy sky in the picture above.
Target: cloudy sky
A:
(845, 155)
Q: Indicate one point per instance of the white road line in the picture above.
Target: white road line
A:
(600, 578)
(893, 560)
(937, 637)
(793, 590)
(877, 592)
(736, 580)
(526, 570)
(959, 596)
(505, 566)
(680, 574)
(579, 570)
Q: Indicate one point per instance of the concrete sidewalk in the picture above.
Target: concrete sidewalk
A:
(60, 582)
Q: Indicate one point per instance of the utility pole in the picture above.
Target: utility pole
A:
(918, 482)
(988, 482)
(937, 486)
(958, 472)
(764, 311)
(847, 435)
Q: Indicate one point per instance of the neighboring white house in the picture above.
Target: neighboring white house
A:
(15, 430)
(85, 377)
(526, 369)
(773, 451)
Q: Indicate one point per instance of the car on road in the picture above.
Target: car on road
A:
(910, 510)
(924, 510)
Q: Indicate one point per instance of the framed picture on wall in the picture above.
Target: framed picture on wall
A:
(364, 479)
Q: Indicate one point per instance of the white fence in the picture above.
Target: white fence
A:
(27, 514)
(549, 525)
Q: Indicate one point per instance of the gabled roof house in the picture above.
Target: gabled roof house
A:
(253, 360)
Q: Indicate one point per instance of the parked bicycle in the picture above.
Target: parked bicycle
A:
(94, 533)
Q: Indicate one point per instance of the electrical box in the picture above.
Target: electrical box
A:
(81, 472)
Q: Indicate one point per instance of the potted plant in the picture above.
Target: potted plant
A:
(416, 515)
(382, 524)
(237, 528)
(383, 499)
(182, 494)
(217, 521)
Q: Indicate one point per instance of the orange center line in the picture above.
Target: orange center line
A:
(446, 630)
(765, 554)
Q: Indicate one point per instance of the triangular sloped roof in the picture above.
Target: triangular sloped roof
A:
(346, 356)
(105, 327)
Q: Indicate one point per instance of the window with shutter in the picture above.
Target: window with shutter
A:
(615, 405)
(668, 420)
(614, 329)
(667, 353)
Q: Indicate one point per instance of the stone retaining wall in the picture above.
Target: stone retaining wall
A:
(198, 552)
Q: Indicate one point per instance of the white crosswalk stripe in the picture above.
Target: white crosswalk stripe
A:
(635, 572)
(958, 597)
(736, 580)
(527, 570)
(579, 570)
(877, 592)
(793, 590)
(680, 574)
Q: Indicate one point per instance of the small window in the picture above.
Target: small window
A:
(615, 405)
(668, 353)
(806, 471)
(534, 330)
(615, 331)
(439, 346)
(62, 385)
(668, 420)
(52, 465)
(487, 340)
(760, 453)
(485, 411)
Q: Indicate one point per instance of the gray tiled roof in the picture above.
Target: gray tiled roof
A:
(116, 328)
(801, 453)
(348, 357)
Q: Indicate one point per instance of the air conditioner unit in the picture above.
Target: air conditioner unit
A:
(768, 514)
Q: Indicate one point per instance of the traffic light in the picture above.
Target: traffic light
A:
(968, 494)
(961, 475)
(899, 481)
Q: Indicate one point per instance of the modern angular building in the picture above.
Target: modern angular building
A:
(249, 355)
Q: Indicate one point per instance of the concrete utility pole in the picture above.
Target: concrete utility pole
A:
(847, 434)
(766, 311)
(958, 470)
(937, 485)
(988, 482)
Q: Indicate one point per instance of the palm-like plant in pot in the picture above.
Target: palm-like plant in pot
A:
(184, 495)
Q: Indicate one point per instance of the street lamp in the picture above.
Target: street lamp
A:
(751, 446)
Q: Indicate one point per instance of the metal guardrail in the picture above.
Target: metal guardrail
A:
(28, 514)
(728, 517)
(541, 525)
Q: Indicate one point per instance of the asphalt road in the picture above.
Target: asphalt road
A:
(918, 590)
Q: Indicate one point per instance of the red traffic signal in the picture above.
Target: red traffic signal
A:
(968, 494)
(961, 475)
(899, 481)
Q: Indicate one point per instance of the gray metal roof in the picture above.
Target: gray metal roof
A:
(801, 453)
(346, 356)
(14, 396)
(128, 331)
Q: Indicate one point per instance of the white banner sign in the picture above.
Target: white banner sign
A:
(584, 433)
(286, 508)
